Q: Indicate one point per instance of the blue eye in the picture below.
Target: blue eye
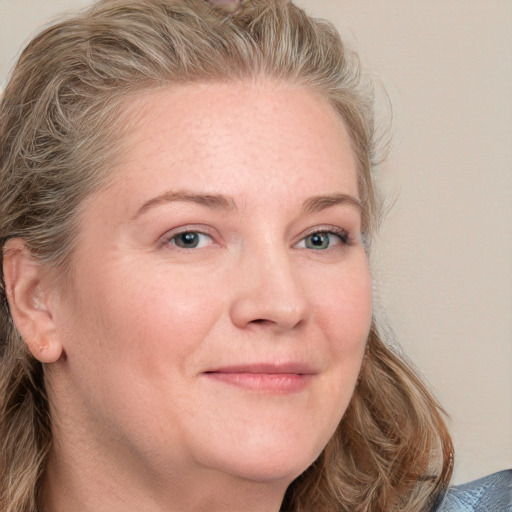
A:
(321, 240)
(190, 240)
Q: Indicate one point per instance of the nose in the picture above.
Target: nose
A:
(268, 292)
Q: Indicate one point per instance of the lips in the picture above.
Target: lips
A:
(264, 377)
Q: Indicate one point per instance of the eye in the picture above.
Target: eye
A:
(321, 240)
(190, 240)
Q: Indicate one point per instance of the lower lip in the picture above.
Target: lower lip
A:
(264, 382)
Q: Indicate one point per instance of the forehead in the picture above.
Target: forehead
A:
(237, 137)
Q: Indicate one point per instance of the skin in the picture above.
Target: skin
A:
(140, 342)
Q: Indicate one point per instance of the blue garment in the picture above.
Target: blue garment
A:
(492, 493)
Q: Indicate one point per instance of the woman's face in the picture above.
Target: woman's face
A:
(220, 299)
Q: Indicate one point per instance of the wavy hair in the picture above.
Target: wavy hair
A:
(60, 128)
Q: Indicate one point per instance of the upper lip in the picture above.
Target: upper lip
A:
(296, 368)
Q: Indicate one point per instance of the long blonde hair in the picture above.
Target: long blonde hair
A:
(59, 124)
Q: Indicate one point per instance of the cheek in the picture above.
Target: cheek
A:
(135, 333)
(159, 316)
(173, 321)
(345, 314)
(343, 311)
(156, 319)
(343, 308)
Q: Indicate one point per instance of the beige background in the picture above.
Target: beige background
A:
(444, 259)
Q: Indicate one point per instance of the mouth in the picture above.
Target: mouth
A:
(265, 378)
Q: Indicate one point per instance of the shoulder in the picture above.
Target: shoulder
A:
(492, 493)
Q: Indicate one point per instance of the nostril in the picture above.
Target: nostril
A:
(263, 304)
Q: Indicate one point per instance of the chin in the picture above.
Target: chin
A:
(278, 463)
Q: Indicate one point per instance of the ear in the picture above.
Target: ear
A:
(27, 286)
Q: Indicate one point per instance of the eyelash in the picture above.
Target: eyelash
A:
(171, 239)
(339, 233)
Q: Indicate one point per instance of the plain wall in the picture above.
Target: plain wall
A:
(443, 264)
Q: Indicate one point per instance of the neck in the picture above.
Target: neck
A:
(84, 479)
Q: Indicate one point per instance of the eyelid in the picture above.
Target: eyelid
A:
(343, 234)
(188, 228)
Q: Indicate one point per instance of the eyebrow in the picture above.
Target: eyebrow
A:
(220, 202)
(318, 203)
(212, 201)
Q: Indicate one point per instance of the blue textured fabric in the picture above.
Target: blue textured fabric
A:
(492, 493)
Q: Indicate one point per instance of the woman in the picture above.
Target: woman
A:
(186, 214)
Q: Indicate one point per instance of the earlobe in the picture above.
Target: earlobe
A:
(27, 290)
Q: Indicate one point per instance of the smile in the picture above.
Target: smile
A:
(265, 378)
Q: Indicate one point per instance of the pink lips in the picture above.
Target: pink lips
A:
(265, 378)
